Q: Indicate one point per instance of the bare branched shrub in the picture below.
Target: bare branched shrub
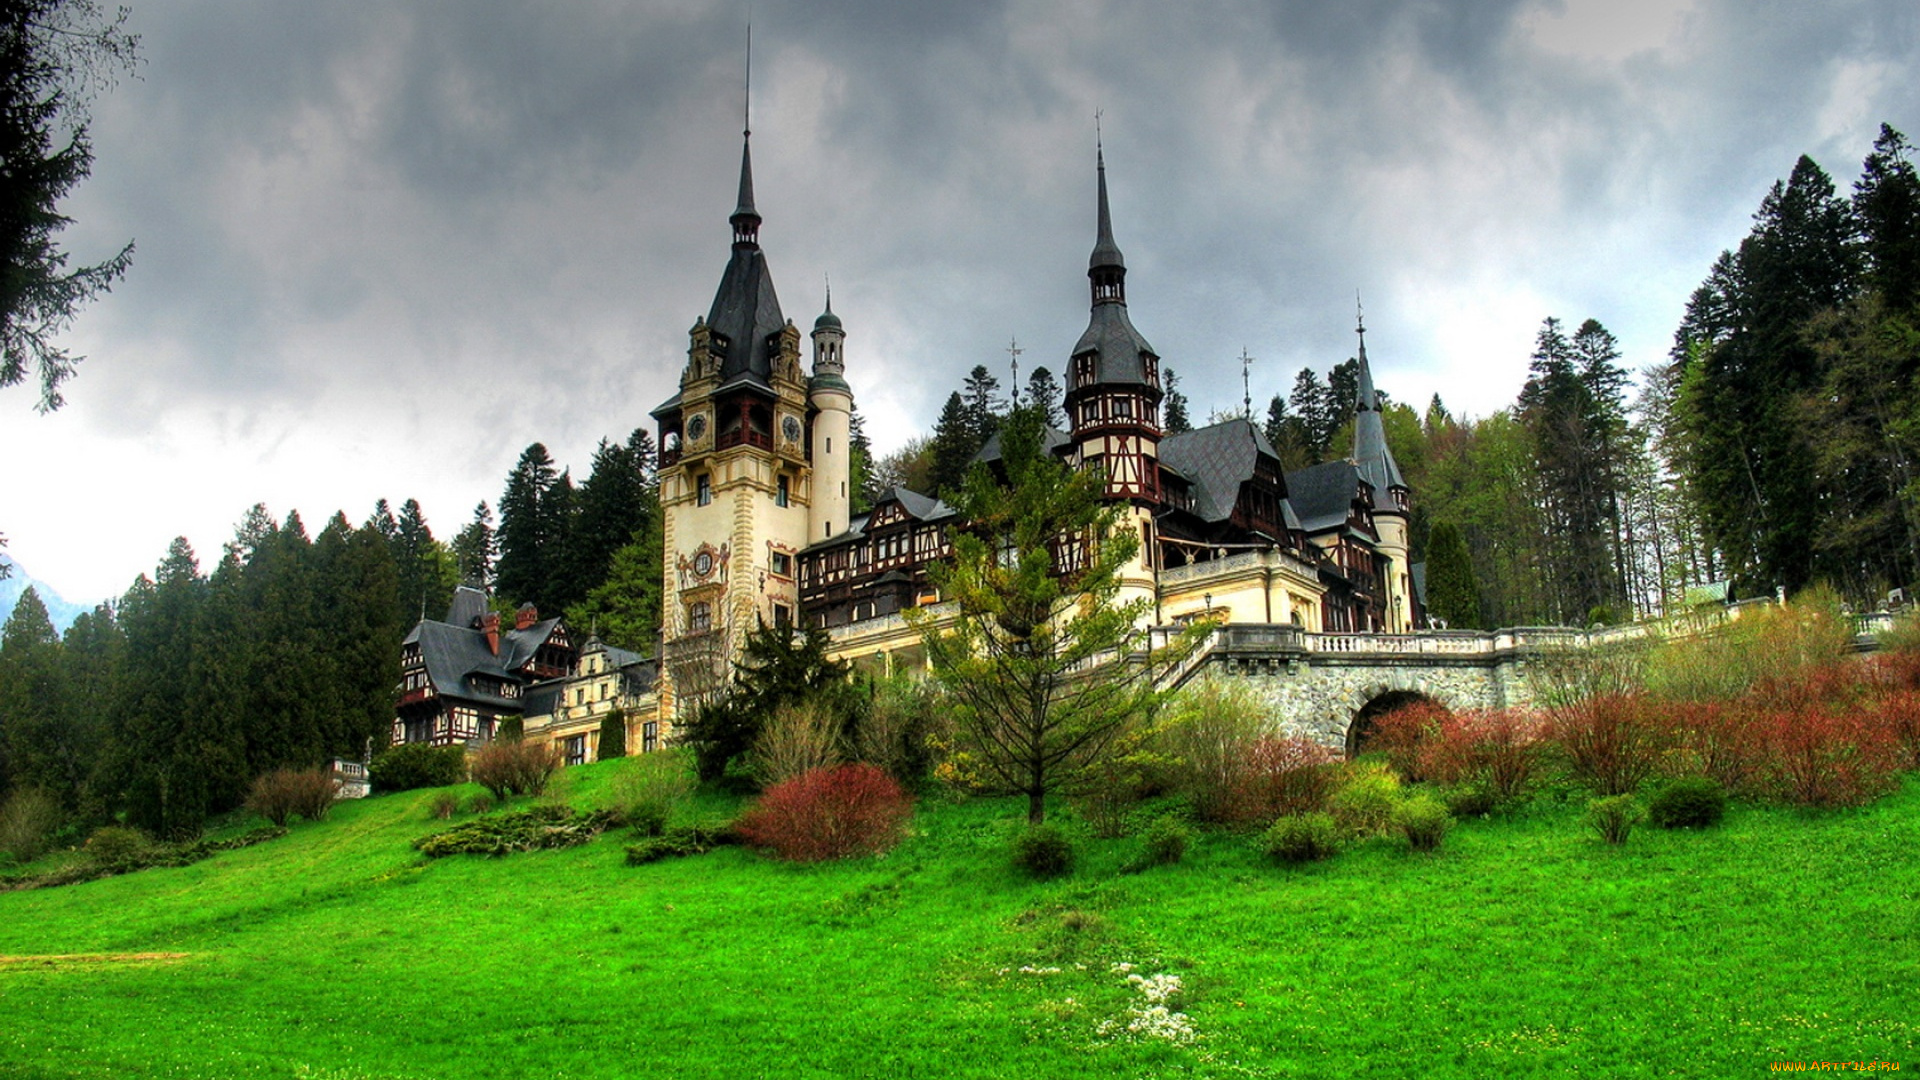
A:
(798, 738)
(27, 821)
(1612, 741)
(509, 768)
(902, 728)
(285, 793)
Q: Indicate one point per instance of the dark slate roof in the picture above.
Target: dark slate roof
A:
(468, 604)
(453, 655)
(543, 698)
(1056, 441)
(1110, 333)
(518, 646)
(1418, 572)
(1370, 450)
(1323, 494)
(920, 507)
(747, 313)
(1216, 460)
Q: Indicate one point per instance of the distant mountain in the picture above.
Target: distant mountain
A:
(58, 609)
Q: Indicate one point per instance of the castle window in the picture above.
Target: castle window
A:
(703, 489)
(783, 494)
(649, 737)
(576, 750)
(699, 617)
(1123, 407)
(782, 617)
(782, 564)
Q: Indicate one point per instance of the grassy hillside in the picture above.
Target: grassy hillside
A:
(1525, 947)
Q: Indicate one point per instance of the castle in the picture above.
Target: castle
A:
(755, 476)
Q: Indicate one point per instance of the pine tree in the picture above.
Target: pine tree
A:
(32, 702)
(1886, 201)
(474, 548)
(1178, 422)
(1310, 403)
(983, 406)
(953, 448)
(616, 504)
(423, 567)
(1452, 596)
(1043, 393)
(51, 53)
(526, 545)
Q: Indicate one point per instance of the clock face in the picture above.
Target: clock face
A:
(697, 427)
(703, 563)
(790, 427)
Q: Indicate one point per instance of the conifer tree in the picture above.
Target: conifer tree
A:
(1452, 595)
(981, 398)
(1177, 419)
(474, 549)
(953, 448)
(1043, 393)
(32, 700)
(525, 543)
(1318, 420)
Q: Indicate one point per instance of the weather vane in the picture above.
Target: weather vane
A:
(1014, 350)
(1246, 381)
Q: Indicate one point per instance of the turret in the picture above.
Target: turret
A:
(832, 401)
(1392, 500)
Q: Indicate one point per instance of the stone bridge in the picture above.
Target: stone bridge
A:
(1329, 687)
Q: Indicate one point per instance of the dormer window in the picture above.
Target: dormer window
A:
(1123, 408)
(1083, 369)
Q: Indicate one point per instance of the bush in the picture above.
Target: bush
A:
(829, 814)
(1721, 740)
(1614, 817)
(27, 821)
(1281, 775)
(1043, 851)
(117, 845)
(481, 803)
(678, 843)
(417, 765)
(284, 793)
(1828, 756)
(1164, 843)
(1612, 741)
(613, 736)
(1424, 821)
(649, 788)
(509, 767)
(904, 724)
(800, 737)
(444, 804)
(1404, 734)
(1473, 799)
(511, 729)
(1209, 738)
(528, 830)
(1688, 803)
(1364, 804)
(1301, 838)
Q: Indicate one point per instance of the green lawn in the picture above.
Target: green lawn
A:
(1525, 947)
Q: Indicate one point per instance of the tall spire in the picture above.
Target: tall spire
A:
(745, 219)
(1106, 267)
(1367, 399)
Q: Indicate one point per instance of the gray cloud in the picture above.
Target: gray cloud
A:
(422, 236)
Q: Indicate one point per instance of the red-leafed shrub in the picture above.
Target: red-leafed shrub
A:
(829, 814)
(509, 767)
(1898, 711)
(1720, 740)
(1612, 741)
(1403, 735)
(1823, 756)
(1283, 774)
(1505, 745)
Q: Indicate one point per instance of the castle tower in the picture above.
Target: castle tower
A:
(1113, 393)
(831, 504)
(1392, 499)
(734, 473)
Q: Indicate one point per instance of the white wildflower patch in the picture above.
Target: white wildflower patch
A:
(1155, 1015)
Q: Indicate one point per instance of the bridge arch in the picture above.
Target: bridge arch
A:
(1377, 703)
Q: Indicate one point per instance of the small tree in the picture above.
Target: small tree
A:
(1048, 669)
(613, 735)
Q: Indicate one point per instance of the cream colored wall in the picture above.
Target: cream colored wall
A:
(832, 498)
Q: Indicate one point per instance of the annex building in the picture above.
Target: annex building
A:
(760, 527)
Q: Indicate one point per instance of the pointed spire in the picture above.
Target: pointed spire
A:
(1106, 253)
(1366, 400)
(745, 219)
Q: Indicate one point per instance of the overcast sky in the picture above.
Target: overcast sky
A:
(382, 247)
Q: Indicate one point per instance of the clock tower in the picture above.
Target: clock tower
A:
(737, 478)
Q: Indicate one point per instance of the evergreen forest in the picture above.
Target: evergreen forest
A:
(1774, 448)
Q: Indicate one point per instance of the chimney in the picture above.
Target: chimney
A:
(526, 616)
(490, 626)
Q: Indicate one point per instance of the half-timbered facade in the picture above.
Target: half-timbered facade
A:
(460, 677)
